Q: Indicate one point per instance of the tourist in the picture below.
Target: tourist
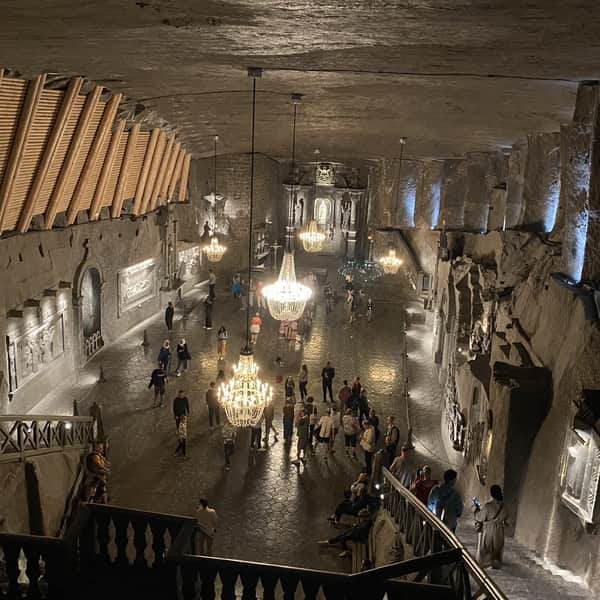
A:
(181, 437)
(328, 293)
(236, 286)
(362, 481)
(169, 314)
(255, 435)
(303, 433)
(391, 439)
(212, 402)
(350, 505)
(313, 420)
(290, 388)
(208, 308)
(359, 534)
(158, 380)
(228, 432)
(222, 336)
(207, 518)
(336, 424)
(212, 281)
(423, 485)
(251, 293)
(369, 310)
(403, 468)
(255, 325)
(367, 443)
(243, 287)
(327, 375)
(205, 237)
(351, 428)
(183, 355)
(164, 356)
(362, 405)
(353, 307)
(374, 420)
(490, 521)
(181, 407)
(303, 382)
(356, 387)
(445, 502)
(288, 419)
(324, 432)
(220, 379)
(344, 395)
(262, 304)
(269, 414)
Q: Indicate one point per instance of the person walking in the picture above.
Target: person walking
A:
(344, 396)
(208, 308)
(164, 356)
(490, 521)
(325, 430)
(327, 375)
(212, 282)
(445, 502)
(269, 414)
(236, 286)
(391, 439)
(220, 380)
(362, 405)
(255, 325)
(403, 467)
(228, 432)
(356, 387)
(183, 355)
(212, 402)
(158, 380)
(313, 420)
(369, 310)
(243, 298)
(303, 382)
(169, 314)
(288, 419)
(351, 429)
(222, 337)
(303, 432)
(367, 443)
(423, 485)
(181, 437)
(374, 420)
(328, 293)
(181, 407)
(262, 304)
(290, 388)
(255, 436)
(336, 424)
(251, 293)
(207, 518)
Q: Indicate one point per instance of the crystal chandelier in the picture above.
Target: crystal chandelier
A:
(312, 237)
(244, 397)
(360, 271)
(286, 298)
(214, 251)
(390, 263)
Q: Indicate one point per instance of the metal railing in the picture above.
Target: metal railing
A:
(27, 435)
(427, 535)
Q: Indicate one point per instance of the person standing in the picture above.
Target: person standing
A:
(391, 439)
(243, 298)
(367, 443)
(255, 325)
(423, 486)
(356, 387)
(208, 308)
(212, 282)
(363, 405)
(374, 420)
(212, 402)
(181, 407)
(262, 304)
(183, 355)
(229, 433)
(181, 437)
(445, 502)
(313, 420)
(351, 429)
(490, 521)
(207, 518)
(328, 292)
(302, 431)
(403, 467)
(327, 375)
(164, 356)
(169, 314)
(269, 414)
(344, 396)
(325, 428)
(303, 382)
(288, 419)
(222, 336)
(158, 380)
(290, 388)
(251, 293)
(336, 423)
(255, 435)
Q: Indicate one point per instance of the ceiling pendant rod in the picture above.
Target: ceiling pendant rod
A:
(254, 75)
(290, 238)
(216, 139)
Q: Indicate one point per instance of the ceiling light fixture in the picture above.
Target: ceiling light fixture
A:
(213, 250)
(312, 237)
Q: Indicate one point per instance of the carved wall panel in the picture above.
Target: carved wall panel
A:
(136, 284)
(190, 262)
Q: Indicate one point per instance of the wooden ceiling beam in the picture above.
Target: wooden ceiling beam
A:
(117, 201)
(153, 174)
(19, 144)
(185, 173)
(138, 200)
(156, 192)
(106, 123)
(106, 170)
(164, 190)
(83, 124)
(48, 157)
(176, 173)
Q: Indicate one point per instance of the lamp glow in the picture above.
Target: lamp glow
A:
(312, 237)
(390, 263)
(214, 251)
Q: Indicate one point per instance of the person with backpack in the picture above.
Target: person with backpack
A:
(445, 502)
(391, 439)
(344, 396)
(158, 380)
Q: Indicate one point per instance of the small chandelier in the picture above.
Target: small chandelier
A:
(286, 298)
(214, 251)
(244, 396)
(390, 263)
(312, 237)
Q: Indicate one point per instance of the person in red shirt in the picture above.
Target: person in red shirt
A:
(423, 485)
(255, 325)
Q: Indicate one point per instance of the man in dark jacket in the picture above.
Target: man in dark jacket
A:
(158, 379)
(169, 312)
(181, 407)
(212, 402)
(327, 375)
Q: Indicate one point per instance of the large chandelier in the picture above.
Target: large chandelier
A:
(286, 298)
(312, 237)
(390, 263)
(244, 397)
(214, 251)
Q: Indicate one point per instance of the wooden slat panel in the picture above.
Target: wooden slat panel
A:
(95, 157)
(115, 171)
(185, 173)
(50, 152)
(164, 192)
(136, 164)
(176, 174)
(161, 172)
(34, 93)
(107, 165)
(153, 174)
(75, 148)
(125, 172)
(12, 96)
(145, 172)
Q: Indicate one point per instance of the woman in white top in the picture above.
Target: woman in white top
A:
(325, 431)
(367, 443)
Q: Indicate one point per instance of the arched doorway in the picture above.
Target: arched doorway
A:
(91, 311)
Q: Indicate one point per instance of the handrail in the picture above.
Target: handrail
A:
(65, 418)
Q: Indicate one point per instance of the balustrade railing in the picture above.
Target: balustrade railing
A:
(27, 435)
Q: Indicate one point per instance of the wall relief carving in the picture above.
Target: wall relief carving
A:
(136, 284)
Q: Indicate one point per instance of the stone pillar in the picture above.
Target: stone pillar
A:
(541, 187)
(498, 208)
(454, 184)
(429, 184)
(514, 186)
(404, 213)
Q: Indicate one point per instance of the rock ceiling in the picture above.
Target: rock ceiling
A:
(451, 75)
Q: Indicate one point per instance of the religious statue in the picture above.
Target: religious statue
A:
(345, 217)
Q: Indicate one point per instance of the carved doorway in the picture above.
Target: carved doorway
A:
(91, 312)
